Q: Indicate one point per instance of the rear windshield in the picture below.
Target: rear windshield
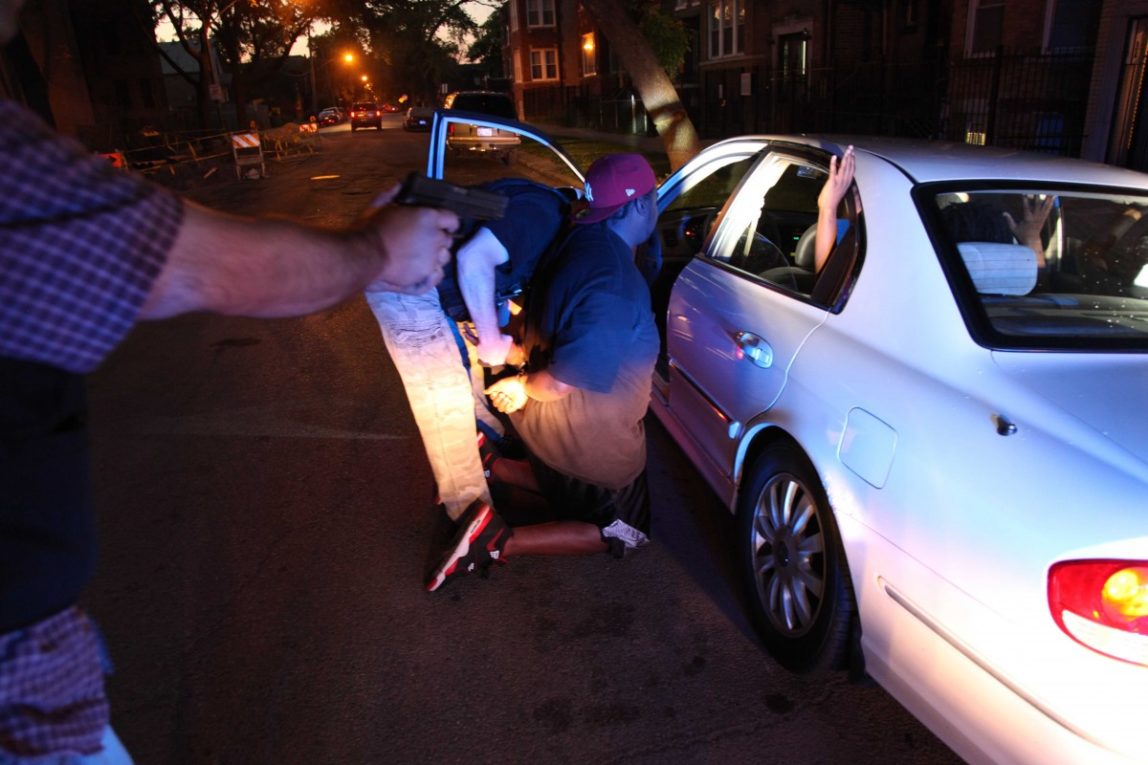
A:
(366, 106)
(1048, 268)
(494, 104)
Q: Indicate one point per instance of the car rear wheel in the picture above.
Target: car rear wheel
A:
(793, 565)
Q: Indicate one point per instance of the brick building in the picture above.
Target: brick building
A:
(1060, 76)
(101, 88)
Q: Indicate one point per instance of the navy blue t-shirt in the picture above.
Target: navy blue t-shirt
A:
(590, 324)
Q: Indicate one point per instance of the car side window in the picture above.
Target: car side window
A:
(685, 222)
(775, 228)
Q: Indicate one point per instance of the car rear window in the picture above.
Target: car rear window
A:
(365, 106)
(494, 104)
(1047, 268)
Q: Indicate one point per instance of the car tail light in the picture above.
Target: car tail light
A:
(1103, 604)
(450, 129)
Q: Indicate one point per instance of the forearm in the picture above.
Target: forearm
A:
(825, 237)
(260, 267)
(266, 268)
(476, 262)
(543, 386)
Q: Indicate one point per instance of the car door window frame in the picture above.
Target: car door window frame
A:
(833, 284)
(443, 118)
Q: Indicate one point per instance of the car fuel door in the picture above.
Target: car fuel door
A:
(734, 323)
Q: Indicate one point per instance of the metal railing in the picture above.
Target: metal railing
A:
(1033, 101)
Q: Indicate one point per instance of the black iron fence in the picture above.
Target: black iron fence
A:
(1021, 100)
(1026, 101)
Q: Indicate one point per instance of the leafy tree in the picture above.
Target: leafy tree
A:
(487, 47)
(419, 42)
(245, 31)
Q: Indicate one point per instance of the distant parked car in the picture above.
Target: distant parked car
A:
(418, 118)
(477, 138)
(390, 108)
(332, 115)
(366, 114)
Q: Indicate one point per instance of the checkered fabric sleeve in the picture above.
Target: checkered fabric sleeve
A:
(52, 689)
(81, 244)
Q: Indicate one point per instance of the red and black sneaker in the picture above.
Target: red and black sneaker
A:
(488, 452)
(479, 542)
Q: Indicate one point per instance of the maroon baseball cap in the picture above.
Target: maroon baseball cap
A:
(611, 182)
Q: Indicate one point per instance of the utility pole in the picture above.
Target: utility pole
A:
(311, 59)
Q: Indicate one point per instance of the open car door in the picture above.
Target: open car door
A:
(535, 156)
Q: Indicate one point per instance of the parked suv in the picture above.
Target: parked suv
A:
(366, 114)
(478, 139)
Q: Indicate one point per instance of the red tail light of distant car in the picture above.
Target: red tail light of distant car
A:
(1103, 604)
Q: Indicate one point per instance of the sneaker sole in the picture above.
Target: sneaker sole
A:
(461, 549)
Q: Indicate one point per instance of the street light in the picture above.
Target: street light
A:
(347, 57)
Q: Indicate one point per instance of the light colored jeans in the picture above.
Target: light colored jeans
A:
(113, 753)
(445, 403)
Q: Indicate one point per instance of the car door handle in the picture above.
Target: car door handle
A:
(752, 347)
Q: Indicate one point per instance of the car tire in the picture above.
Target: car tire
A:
(797, 583)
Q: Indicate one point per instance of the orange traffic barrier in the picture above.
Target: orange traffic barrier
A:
(247, 150)
(116, 158)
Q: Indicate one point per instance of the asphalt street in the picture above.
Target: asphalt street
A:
(267, 519)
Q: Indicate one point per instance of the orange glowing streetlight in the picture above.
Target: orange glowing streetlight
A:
(347, 57)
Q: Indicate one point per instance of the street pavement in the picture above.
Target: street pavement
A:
(267, 521)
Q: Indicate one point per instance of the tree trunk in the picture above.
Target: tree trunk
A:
(654, 86)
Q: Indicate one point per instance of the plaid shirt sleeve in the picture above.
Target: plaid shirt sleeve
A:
(52, 689)
(81, 244)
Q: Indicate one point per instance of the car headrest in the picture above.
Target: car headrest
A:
(999, 269)
(803, 253)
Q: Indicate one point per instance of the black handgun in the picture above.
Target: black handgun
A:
(468, 204)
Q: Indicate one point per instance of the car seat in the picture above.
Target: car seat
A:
(801, 276)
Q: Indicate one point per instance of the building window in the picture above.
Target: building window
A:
(539, 13)
(908, 14)
(544, 64)
(986, 22)
(727, 27)
(793, 56)
(112, 44)
(123, 94)
(1072, 24)
(147, 96)
(589, 56)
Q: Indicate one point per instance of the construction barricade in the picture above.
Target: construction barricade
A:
(116, 158)
(247, 150)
